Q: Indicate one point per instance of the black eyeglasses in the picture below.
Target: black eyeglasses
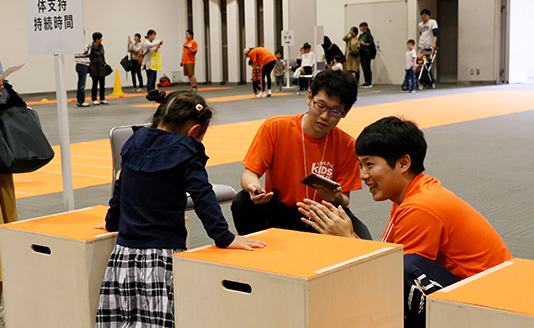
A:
(333, 111)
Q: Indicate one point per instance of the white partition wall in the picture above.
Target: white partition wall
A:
(268, 26)
(251, 39)
(215, 41)
(521, 41)
(234, 54)
(198, 29)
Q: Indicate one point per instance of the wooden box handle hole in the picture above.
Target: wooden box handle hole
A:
(237, 286)
(41, 249)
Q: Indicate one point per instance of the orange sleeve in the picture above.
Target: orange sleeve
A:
(260, 153)
(420, 232)
(194, 46)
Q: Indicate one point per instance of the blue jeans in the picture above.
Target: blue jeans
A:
(151, 79)
(82, 71)
(409, 79)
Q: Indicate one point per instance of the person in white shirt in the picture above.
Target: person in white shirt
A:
(338, 65)
(150, 45)
(409, 77)
(428, 33)
(306, 67)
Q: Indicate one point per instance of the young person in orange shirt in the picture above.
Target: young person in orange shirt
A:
(288, 148)
(266, 59)
(188, 59)
(445, 239)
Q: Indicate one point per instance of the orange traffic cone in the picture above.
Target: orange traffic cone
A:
(117, 89)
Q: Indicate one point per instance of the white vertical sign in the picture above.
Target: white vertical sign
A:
(288, 38)
(54, 26)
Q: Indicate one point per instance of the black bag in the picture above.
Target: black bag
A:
(109, 70)
(372, 50)
(354, 53)
(23, 145)
(126, 64)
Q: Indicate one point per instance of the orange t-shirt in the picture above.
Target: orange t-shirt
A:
(433, 222)
(278, 150)
(189, 57)
(261, 56)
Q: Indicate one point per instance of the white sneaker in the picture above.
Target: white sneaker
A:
(104, 102)
(96, 102)
(269, 93)
(260, 95)
(412, 91)
(139, 90)
(84, 104)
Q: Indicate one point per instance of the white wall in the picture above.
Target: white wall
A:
(302, 19)
(235, 55)
(115, 25)
(521, 65)
(215, 41)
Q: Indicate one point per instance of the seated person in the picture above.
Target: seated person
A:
(445, 239)
(290, 147)
(307, 58)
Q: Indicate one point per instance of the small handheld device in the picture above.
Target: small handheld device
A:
(258, 192)
(313, 178)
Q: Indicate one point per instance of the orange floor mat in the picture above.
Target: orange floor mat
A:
(228, 143)
(129, 95)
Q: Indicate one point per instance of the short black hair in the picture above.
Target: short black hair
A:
(96, 36)
(412, 41)
(149, 33)
(337, 84)
(425, 11)
(306, 46)
(190, 32)
(338, 58)
(278, 52)
(354, 29)
(138, 35)
(391, 138)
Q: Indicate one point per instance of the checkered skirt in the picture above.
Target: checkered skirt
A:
(137, 290)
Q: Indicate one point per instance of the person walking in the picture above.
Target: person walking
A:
(367, 43)
(98, 70)
(134, 47)
(188, 59)
(150, 45)
(352, 53)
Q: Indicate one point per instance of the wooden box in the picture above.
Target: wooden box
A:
(496, 298)
(53, 267)
(298, 280)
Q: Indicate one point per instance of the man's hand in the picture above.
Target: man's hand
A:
(326, 218)
(258, 194)
(241, 242)
(332, 196)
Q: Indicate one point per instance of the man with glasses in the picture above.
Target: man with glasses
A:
(288, 148)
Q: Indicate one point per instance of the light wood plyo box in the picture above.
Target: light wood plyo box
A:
(298, 280)
(495, 298)
(53, 267)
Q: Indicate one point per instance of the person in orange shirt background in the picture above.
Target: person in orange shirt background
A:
(188, 59)
(266, 59)
(444, 238)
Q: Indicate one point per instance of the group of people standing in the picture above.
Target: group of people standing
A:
(144, 55)
(360, 50)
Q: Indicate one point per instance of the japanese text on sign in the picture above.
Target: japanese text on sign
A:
(52, 19)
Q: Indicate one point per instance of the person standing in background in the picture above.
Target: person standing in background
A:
(352, 53)
(134, 48)
(188, 59)
(82, 68)
(366, 41)
(150, 45)
(98, 69)
(428, 34)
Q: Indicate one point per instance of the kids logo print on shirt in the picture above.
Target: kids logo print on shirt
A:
(324, 168)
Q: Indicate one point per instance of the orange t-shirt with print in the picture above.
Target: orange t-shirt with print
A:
(278, 150)
(261, 56)
(433, 222)
(189, 57)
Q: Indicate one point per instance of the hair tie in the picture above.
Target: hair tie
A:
(199, 107)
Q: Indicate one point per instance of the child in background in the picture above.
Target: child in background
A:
(159, 165)
(409, 77)
(279, 70)
(256, 78)
(338, 63)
